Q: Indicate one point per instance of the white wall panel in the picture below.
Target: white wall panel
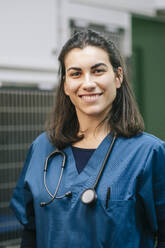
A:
(160, 4)
(141, 6)
(27, 32)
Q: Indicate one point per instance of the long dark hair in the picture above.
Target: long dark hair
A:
(124, 117)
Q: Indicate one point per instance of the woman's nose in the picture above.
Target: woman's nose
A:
(88, 83)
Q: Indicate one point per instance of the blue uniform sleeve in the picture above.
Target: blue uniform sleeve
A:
(152, 188)
(22, 200)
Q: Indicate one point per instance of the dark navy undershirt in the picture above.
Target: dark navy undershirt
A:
(81, 157)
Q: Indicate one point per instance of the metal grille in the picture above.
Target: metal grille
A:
(114, 34)
(22, 118)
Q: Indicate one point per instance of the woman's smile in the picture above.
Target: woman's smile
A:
(90, 97)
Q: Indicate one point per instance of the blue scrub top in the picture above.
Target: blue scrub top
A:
(135, 172)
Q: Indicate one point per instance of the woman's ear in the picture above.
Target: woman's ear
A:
(119, 77)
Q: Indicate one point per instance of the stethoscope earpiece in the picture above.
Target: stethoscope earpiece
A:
(42, 204)
(68, 194)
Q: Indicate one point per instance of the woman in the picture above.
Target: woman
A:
(96, 124)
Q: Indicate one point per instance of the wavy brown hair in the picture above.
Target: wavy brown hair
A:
(123, 118)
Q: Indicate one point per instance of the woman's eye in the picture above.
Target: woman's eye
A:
(75, 74)
(99, 71)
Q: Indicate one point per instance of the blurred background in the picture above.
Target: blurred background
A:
(31, 35)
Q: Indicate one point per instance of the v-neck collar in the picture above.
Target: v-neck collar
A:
(89, 174)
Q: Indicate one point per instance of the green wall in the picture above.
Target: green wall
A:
(148, 36)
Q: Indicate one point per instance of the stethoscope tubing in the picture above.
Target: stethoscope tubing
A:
(53, 196)
(84, 194)
(104, 162)
(57, 188)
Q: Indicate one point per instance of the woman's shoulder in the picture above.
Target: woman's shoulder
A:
(150, 138)
(42, 137)
(144, 140)
(42, 140)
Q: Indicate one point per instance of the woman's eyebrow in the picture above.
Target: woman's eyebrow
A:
(99, 64)
(92, 67)
(74, 68)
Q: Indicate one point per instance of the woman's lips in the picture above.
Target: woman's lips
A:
(90, 97)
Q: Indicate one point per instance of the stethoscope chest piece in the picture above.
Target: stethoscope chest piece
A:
(89, 196)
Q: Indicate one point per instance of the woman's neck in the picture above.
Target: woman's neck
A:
(94, 132)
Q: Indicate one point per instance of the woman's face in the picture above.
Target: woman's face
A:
(90, 81)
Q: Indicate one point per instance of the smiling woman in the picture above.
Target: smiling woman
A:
(93, 89)
(96, 179)
(90, 82)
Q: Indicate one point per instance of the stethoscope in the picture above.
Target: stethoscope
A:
(89, 195)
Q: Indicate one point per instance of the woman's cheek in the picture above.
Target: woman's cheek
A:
(73, 86)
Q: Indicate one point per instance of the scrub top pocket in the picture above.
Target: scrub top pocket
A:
(118, 222)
